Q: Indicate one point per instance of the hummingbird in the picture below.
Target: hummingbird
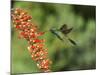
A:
(62, 33)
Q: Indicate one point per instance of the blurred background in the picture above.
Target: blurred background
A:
(65, 57)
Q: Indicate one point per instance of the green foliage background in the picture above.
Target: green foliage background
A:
(64, 57)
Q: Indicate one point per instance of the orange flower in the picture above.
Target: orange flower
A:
(30, 32)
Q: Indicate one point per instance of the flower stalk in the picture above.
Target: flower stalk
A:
(30, 32)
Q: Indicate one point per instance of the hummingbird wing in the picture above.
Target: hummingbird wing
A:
(64, 29)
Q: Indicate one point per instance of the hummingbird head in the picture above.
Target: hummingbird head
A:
(53, 29)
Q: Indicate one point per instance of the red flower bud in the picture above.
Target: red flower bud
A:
(17, 26)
